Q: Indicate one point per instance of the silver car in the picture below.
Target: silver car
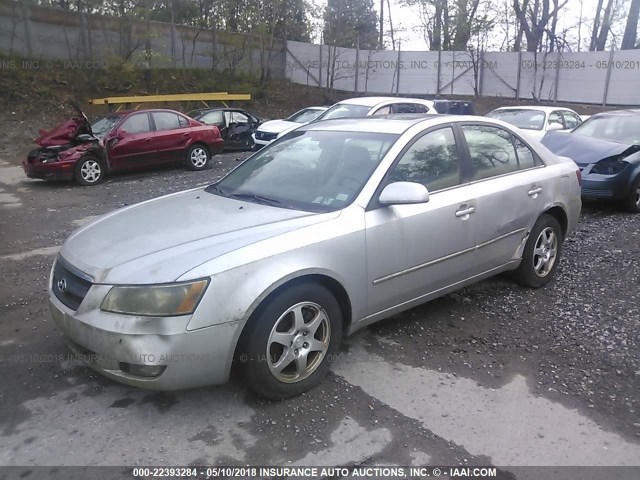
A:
(335, 226)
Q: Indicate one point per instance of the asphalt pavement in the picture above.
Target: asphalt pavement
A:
(495, 374)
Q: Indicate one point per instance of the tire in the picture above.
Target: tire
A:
(89, 171)
(541, 253)
(274, 346)
(198, 157)
(249, 144)
(632, 203)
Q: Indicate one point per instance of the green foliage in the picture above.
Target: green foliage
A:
(346, 20)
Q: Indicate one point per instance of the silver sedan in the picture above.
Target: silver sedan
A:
(335, 226)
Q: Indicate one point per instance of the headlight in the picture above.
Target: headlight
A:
(609, 166)
(155, 300)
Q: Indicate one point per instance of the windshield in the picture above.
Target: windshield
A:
(304, 116)
(521, 118)
(344, 110)
(103, 125)
(616, 128)
(317, 171)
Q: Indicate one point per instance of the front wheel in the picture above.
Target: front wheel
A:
(541, 253)
(89, 171)
(197, 157)
(287, 345)
(633, 201)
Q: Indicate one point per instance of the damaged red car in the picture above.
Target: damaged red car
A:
(86, 152)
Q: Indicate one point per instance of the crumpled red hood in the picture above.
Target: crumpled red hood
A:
(64, 133)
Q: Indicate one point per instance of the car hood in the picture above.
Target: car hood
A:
(64, 133)
(162, 239)
(277, 126)
(585, 150)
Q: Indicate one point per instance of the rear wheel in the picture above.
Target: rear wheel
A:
(89, 171)
(541, 253)
(633, 201)
(197, 157)
(286, 347)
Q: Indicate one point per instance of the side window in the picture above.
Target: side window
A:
(212, 118)
(491, 149)
(405, 108)
(183, 121)
(420, 108)
(383, 110)
(571, 120)
(555, 117)
(432, 161)
(138, 123)
(237, 117)
(526, 157)
(166, 120)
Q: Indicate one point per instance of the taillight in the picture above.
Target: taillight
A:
(579, 175)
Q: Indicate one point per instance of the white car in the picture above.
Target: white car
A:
(538, 120)
(370, 106)
(268, 131)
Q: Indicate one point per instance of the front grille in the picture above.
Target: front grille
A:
(266, 136)
(70, 285)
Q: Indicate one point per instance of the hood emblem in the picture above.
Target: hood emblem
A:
(62, 285)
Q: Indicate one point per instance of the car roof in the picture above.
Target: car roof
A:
(618, 113)
(121, 113)
(373, 101)
(394, 124)
(539, 108)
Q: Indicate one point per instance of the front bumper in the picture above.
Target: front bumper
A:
(34, 168)
(263, 139)
(605, 187)
(111, 344)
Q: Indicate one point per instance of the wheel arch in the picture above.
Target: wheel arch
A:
(561, 216)
(330, 283)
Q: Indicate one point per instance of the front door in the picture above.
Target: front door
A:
(414, 250)
(133, 145)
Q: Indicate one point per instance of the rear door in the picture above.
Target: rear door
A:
(510, 187)
(414, 250)
(133, 144)
(172, 136)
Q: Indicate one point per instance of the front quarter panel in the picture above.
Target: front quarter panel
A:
(242, 279)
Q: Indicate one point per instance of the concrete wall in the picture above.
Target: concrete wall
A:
(612, 78)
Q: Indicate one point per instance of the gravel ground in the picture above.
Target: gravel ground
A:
(493, 374)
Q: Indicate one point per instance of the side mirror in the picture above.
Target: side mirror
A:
(554, 126)
(120, 134)
(403, 193)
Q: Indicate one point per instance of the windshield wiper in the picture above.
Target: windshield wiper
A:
(254, 198)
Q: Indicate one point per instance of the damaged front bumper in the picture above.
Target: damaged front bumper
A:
(156, 353)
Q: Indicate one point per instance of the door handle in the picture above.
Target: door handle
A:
(147, 139)
(186, 134)
(466, 211)
(534, 191)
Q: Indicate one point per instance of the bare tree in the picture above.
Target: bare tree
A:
(605, 28)
(534, 16)
(631, 28)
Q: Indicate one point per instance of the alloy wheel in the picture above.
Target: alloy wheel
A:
(298, 342)
(90, 171)
(198, 157)
(545, 252)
